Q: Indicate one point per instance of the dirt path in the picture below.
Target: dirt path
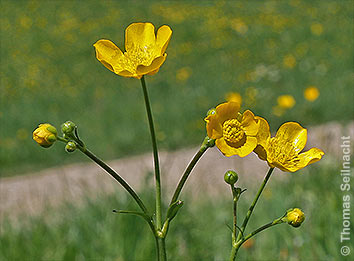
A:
(32, 193)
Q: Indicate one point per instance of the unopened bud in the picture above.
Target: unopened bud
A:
(68, 127)
(70, 146)
(294, 217)
(212, 111)
(45, 135)
(230, 177)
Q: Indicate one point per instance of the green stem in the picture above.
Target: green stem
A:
(188, 170)
(156, 155)
(250, 210)
(236, 247)
(116, 176)
(161, 248)
(235, 199)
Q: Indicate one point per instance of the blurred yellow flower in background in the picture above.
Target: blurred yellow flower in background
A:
(289, 61)
(145, 52)
(286, 101)
(316, 28)
(235, 133)
(183, 74)
(311, 93)
(45, 135)
(283, 150)
(233, 97)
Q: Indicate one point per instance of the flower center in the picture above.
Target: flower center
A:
(232, 131)
(282, 152)
(138, 55)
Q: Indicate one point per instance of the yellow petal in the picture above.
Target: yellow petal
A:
(156, 64)
(292, 132)
(213, 126)
(139, 35)
(227, 111)
(164, 34)
(125, 73)
(264, 131)
(306, 158)
(228, 151)
(109, 55)
(261, 152)
(249, 124)
(153, 72)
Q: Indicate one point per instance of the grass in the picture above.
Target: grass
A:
(260, 49)
(199, 232)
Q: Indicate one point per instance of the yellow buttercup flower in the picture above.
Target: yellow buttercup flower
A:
(145, 52)
(295, 217)
(234, 97)
(45, 135)
(235, 133)
(286, 101)
(311, 93)
(284, 150)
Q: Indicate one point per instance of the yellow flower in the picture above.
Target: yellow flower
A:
(235, 133)
(286, 101)
(316, 28)
(45, 135)
(311, 93)
(284, 150)
(145, 52)
(289, 61)
(234, 97)
(295, 217)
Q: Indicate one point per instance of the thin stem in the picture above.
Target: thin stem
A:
(236, 247)
(186, 173)
(260, 229)
(156, 155)
(235, 199)
(116, 176)
(250, 210)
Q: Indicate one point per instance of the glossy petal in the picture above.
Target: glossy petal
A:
(163, 38)
(292, 132)
(139, 35)
(228, 151)
(109, 55)
(263, 132)
(227, 111)
(249, 123)
(213, 126)
(156, 64)
(306, 158)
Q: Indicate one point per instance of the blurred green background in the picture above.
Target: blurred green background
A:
(256, 50)
(261, 50)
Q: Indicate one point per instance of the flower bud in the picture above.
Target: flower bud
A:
(231, 177)
(45, 135)
(68, 127)
(211, 111)
(173, 209)
(70, 146)
(294, 217)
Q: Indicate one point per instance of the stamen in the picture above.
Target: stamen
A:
(232, 131)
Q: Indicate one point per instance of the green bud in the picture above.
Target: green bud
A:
(212, 111)
(208, 142)
(70, 146)
(68, 127)
(173, 209)
(231, 177)
(294, 217)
